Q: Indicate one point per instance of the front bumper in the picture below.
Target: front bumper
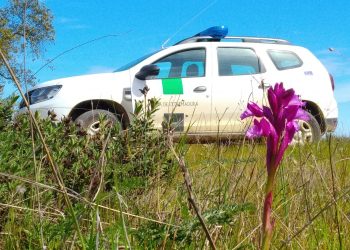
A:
(44, 111)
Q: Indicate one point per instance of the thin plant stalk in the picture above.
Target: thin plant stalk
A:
(36, 167)
(36, 170)
(191, 197)
(319, 213)
(267, 223)
(336, 216)
(123, 220)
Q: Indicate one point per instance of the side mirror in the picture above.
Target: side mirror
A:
(146, 71)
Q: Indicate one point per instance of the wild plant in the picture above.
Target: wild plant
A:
(6, 111)
(278, 123)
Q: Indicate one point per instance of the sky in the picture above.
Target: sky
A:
(101, 36)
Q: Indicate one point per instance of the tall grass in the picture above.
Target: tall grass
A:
(128, 191)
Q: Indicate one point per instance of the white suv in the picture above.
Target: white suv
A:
(203, 83)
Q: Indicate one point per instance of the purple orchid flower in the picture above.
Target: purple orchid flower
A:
(278, 123)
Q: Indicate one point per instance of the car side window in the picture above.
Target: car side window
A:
(284, 59)
(237, 61)
(186, 63)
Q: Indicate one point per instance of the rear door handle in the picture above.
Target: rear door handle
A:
(200, 89)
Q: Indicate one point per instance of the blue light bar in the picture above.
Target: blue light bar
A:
(217, 32)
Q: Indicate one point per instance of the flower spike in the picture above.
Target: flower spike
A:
(278, 124)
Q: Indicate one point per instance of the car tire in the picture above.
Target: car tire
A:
(309, 131)
(90, 120)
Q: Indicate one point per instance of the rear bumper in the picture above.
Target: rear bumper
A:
(331, 124)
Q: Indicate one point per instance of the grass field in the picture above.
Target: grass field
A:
(128, 191)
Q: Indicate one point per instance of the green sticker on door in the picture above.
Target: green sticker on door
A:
(172, 86)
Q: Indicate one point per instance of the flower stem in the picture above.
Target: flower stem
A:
(267, 222)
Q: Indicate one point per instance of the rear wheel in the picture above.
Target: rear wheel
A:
(90, 120)
(309, 131)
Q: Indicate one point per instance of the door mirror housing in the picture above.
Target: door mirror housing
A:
(147, 71)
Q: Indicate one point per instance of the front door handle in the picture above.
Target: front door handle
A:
(200, 89)
(127, 94)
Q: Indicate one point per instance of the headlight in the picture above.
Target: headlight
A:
(41, 94)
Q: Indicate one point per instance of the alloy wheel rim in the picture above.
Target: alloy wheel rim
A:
(93, 128)
(304, 134)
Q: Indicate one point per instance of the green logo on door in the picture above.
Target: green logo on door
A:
(172, 86)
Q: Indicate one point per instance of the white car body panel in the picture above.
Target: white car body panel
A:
(78, 89)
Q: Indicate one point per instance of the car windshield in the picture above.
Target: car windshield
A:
(133, 63)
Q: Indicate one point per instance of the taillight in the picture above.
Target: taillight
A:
(332, 81)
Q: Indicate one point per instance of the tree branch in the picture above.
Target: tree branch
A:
(4, 76)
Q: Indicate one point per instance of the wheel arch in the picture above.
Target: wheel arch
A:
(314, 109)
(108, 105)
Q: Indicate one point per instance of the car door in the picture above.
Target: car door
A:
(183, 90)
(237, 82)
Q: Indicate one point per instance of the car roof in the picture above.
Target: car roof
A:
(219, 34)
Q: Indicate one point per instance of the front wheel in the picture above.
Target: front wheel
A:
(90, 120)
(309, 131)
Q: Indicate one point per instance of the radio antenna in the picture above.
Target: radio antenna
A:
(189, 22)
(77, 46)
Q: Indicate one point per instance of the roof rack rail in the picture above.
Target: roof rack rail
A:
(218, 33)
(246, 39)
(252, 39)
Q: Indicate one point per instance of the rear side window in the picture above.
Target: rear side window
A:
(237, 61)
(284, 59)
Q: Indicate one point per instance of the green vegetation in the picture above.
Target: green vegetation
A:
(127, 189)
